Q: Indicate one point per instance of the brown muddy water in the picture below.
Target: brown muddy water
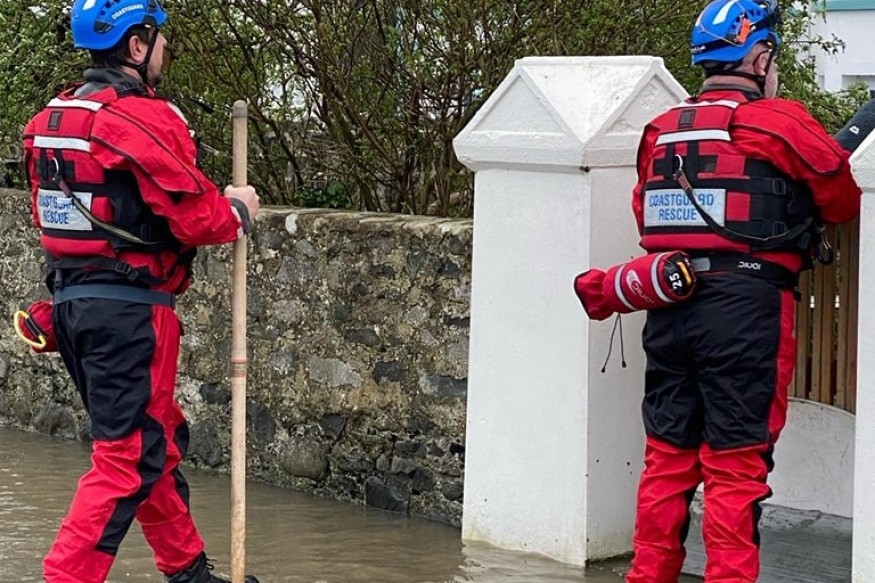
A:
(291, 537)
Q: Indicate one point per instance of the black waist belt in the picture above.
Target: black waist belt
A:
(124, 293)
(740, 263)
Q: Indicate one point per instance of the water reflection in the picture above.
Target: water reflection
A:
(291, 537)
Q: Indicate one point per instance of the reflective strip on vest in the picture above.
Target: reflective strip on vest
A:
(177, 111)
(723, 102)
(62, 143)
(80, 103)
(692, 135)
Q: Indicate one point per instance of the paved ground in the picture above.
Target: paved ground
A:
(797, 547)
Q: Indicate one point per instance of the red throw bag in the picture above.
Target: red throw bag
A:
(645, 283)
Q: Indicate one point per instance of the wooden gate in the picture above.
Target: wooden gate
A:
(826, 325)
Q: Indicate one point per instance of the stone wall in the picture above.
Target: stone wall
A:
(358, 347)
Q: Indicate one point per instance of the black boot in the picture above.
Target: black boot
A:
(200, 572)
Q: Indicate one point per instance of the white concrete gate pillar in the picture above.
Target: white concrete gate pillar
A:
(863, 569)
(553, 445)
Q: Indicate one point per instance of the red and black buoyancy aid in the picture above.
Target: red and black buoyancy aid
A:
(70, 179)
(752, 206)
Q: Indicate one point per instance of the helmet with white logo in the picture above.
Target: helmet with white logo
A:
(727, 30)
(99, 25)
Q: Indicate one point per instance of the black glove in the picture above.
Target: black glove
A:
(857, 128)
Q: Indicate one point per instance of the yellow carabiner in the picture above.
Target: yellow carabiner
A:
(19, 317)
(689, 278)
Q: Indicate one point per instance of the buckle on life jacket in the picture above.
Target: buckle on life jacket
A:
(779, 186)
(779, 228)
(126, 269)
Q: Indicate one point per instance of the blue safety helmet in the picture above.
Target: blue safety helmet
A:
(727, 30)
(99, 25)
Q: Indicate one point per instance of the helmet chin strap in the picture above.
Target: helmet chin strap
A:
(772, 54)
(142, 69)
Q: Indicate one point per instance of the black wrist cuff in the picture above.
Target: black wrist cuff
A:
(244, 214)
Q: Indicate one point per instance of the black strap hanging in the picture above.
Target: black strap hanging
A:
(769, 242)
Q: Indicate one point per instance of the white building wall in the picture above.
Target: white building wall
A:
(856, 62)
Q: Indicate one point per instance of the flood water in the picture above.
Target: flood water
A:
(291, 536)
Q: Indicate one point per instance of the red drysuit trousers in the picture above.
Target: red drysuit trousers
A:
(735, 484)
(123, 358)
(718, 368)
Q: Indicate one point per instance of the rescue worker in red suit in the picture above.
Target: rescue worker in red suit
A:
(121, 207)
(764, 174)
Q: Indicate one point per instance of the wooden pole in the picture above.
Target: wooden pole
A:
(238, 362)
